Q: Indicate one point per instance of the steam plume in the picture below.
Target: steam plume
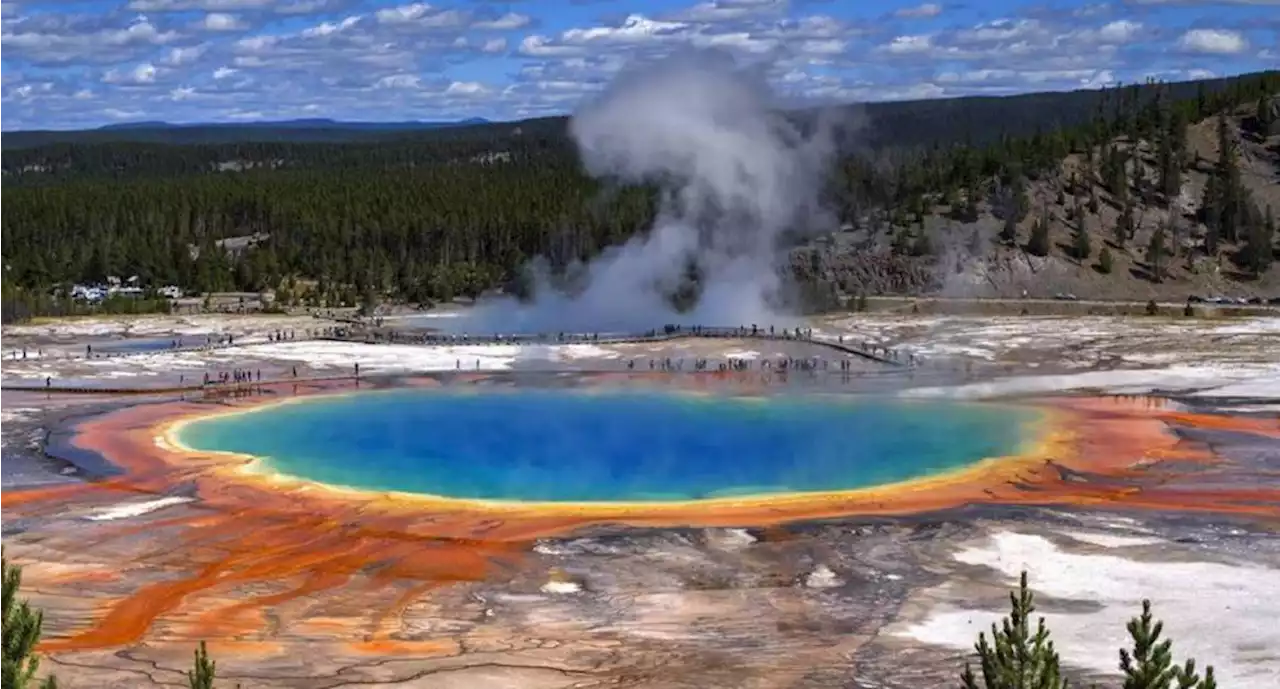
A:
(735, 176)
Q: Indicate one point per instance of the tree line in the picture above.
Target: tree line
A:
(462, 213)
(1015, 656)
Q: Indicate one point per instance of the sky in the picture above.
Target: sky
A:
(75, 64)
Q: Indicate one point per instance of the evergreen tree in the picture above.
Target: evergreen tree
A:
(1210, 209)
(971, 204)
(1009, 231)
(21, 634)
(1016, 202)
(1258, 251)
(901, 244)
(1156, 254)
(1105, 261)
(1124, 228)
(922, 245)
(1117, 179)
(1229, 191)
(1150, 663)
(1038, 243)
(1265, 115)
(1170, 172)
(1017, 657)
(1080, 244)
(201, 675)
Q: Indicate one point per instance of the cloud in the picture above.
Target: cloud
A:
(729, 10)
(260, 7)
(61, 39)
(177, 57)
(1213, 42)
(638, 34)
(143, 74)
(469, 89)
(397, 59)
(506, 22)
(221, 21)
(909, 45)
(1247, 3)
(199, 5)
(925, 11)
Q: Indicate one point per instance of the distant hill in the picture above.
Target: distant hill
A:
(975, 120)
(314, 130)
(307, 123)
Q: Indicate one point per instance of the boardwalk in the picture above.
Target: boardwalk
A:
(843, 345)
(846, 346)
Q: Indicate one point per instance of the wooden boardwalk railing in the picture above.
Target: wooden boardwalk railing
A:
(882, 355)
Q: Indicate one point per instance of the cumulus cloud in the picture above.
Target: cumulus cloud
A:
(280, 7)
(140, 75)
(925, 11)
(1214, 42)
(729, 10)
(341, 58)
(61, 39)
(221, 21)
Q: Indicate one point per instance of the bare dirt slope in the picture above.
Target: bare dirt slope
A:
(858, 260)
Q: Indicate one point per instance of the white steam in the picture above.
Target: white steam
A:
(735, 176)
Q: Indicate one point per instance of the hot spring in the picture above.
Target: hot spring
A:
(610, 445)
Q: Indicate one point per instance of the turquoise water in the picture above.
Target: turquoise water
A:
(565, 445)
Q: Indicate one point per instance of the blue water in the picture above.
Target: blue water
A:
(566, 445)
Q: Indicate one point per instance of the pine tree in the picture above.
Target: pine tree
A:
(971, 203)
(1009, 232)
(1212, 216)
(922, 246)
(1150, 664)
(1124, 226)
(1080, 245)
(901, 244)
(201, 676)
(1258, 251)
(1021, 204)
(1105, 261)
(1038, 243)
(1170, 172)
(1156, 254)
(21, 634)
(1266, 118)
(1016, 657)
(1228, 183)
